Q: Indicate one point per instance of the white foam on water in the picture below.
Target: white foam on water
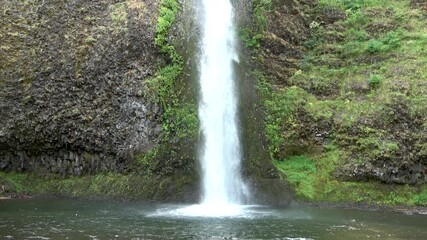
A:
(213, 211)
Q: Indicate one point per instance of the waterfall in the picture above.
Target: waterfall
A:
(224, 193)
(220, 155)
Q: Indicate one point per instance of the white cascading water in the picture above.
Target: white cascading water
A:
(220, 152)
(223, 191)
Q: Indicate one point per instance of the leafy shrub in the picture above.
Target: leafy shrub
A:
(356, 18)
(375, 81)
(391, 39)
(249, 39)
(307, 62)
(374, 46)
(353, 5)
(260, 8)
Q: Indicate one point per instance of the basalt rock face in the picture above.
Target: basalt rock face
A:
(71, 84)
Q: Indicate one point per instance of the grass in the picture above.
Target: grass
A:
(311, 179)
(301, 174)
(108, 185)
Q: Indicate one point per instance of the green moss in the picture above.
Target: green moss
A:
(119, 17)
(300, 172)
(249, 39)
(251, 35)
(279, 105)
(421, 198)
(260, 10)
(108, 185)
(311, 177)
(179, 118)
(320, 110)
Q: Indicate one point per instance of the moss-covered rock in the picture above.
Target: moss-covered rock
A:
(350, 83)
(176, 188)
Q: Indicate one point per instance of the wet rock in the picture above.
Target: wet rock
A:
(79, 87)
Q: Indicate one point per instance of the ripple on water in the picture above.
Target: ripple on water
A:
(288, 238)
(38, 237)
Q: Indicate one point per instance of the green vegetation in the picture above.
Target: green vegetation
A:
(301, 174)
(280, 104)
(167, 17)
(179, 116)
(260, 10)
(252, 35)
(109, 185)
(375, 81)
(249, 39)
(145, 160)
(119, 17)
(421, 198)
(311, 178)
(179, 119)
(361, 79)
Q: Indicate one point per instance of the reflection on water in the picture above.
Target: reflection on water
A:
(67, 219)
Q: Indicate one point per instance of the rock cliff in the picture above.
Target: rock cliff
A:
(72, 78)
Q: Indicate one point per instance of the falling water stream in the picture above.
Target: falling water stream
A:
(223, 191)
(222, 183)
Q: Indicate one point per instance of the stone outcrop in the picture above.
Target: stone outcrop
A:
(72, 83)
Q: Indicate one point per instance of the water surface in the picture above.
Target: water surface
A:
(71, 219)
